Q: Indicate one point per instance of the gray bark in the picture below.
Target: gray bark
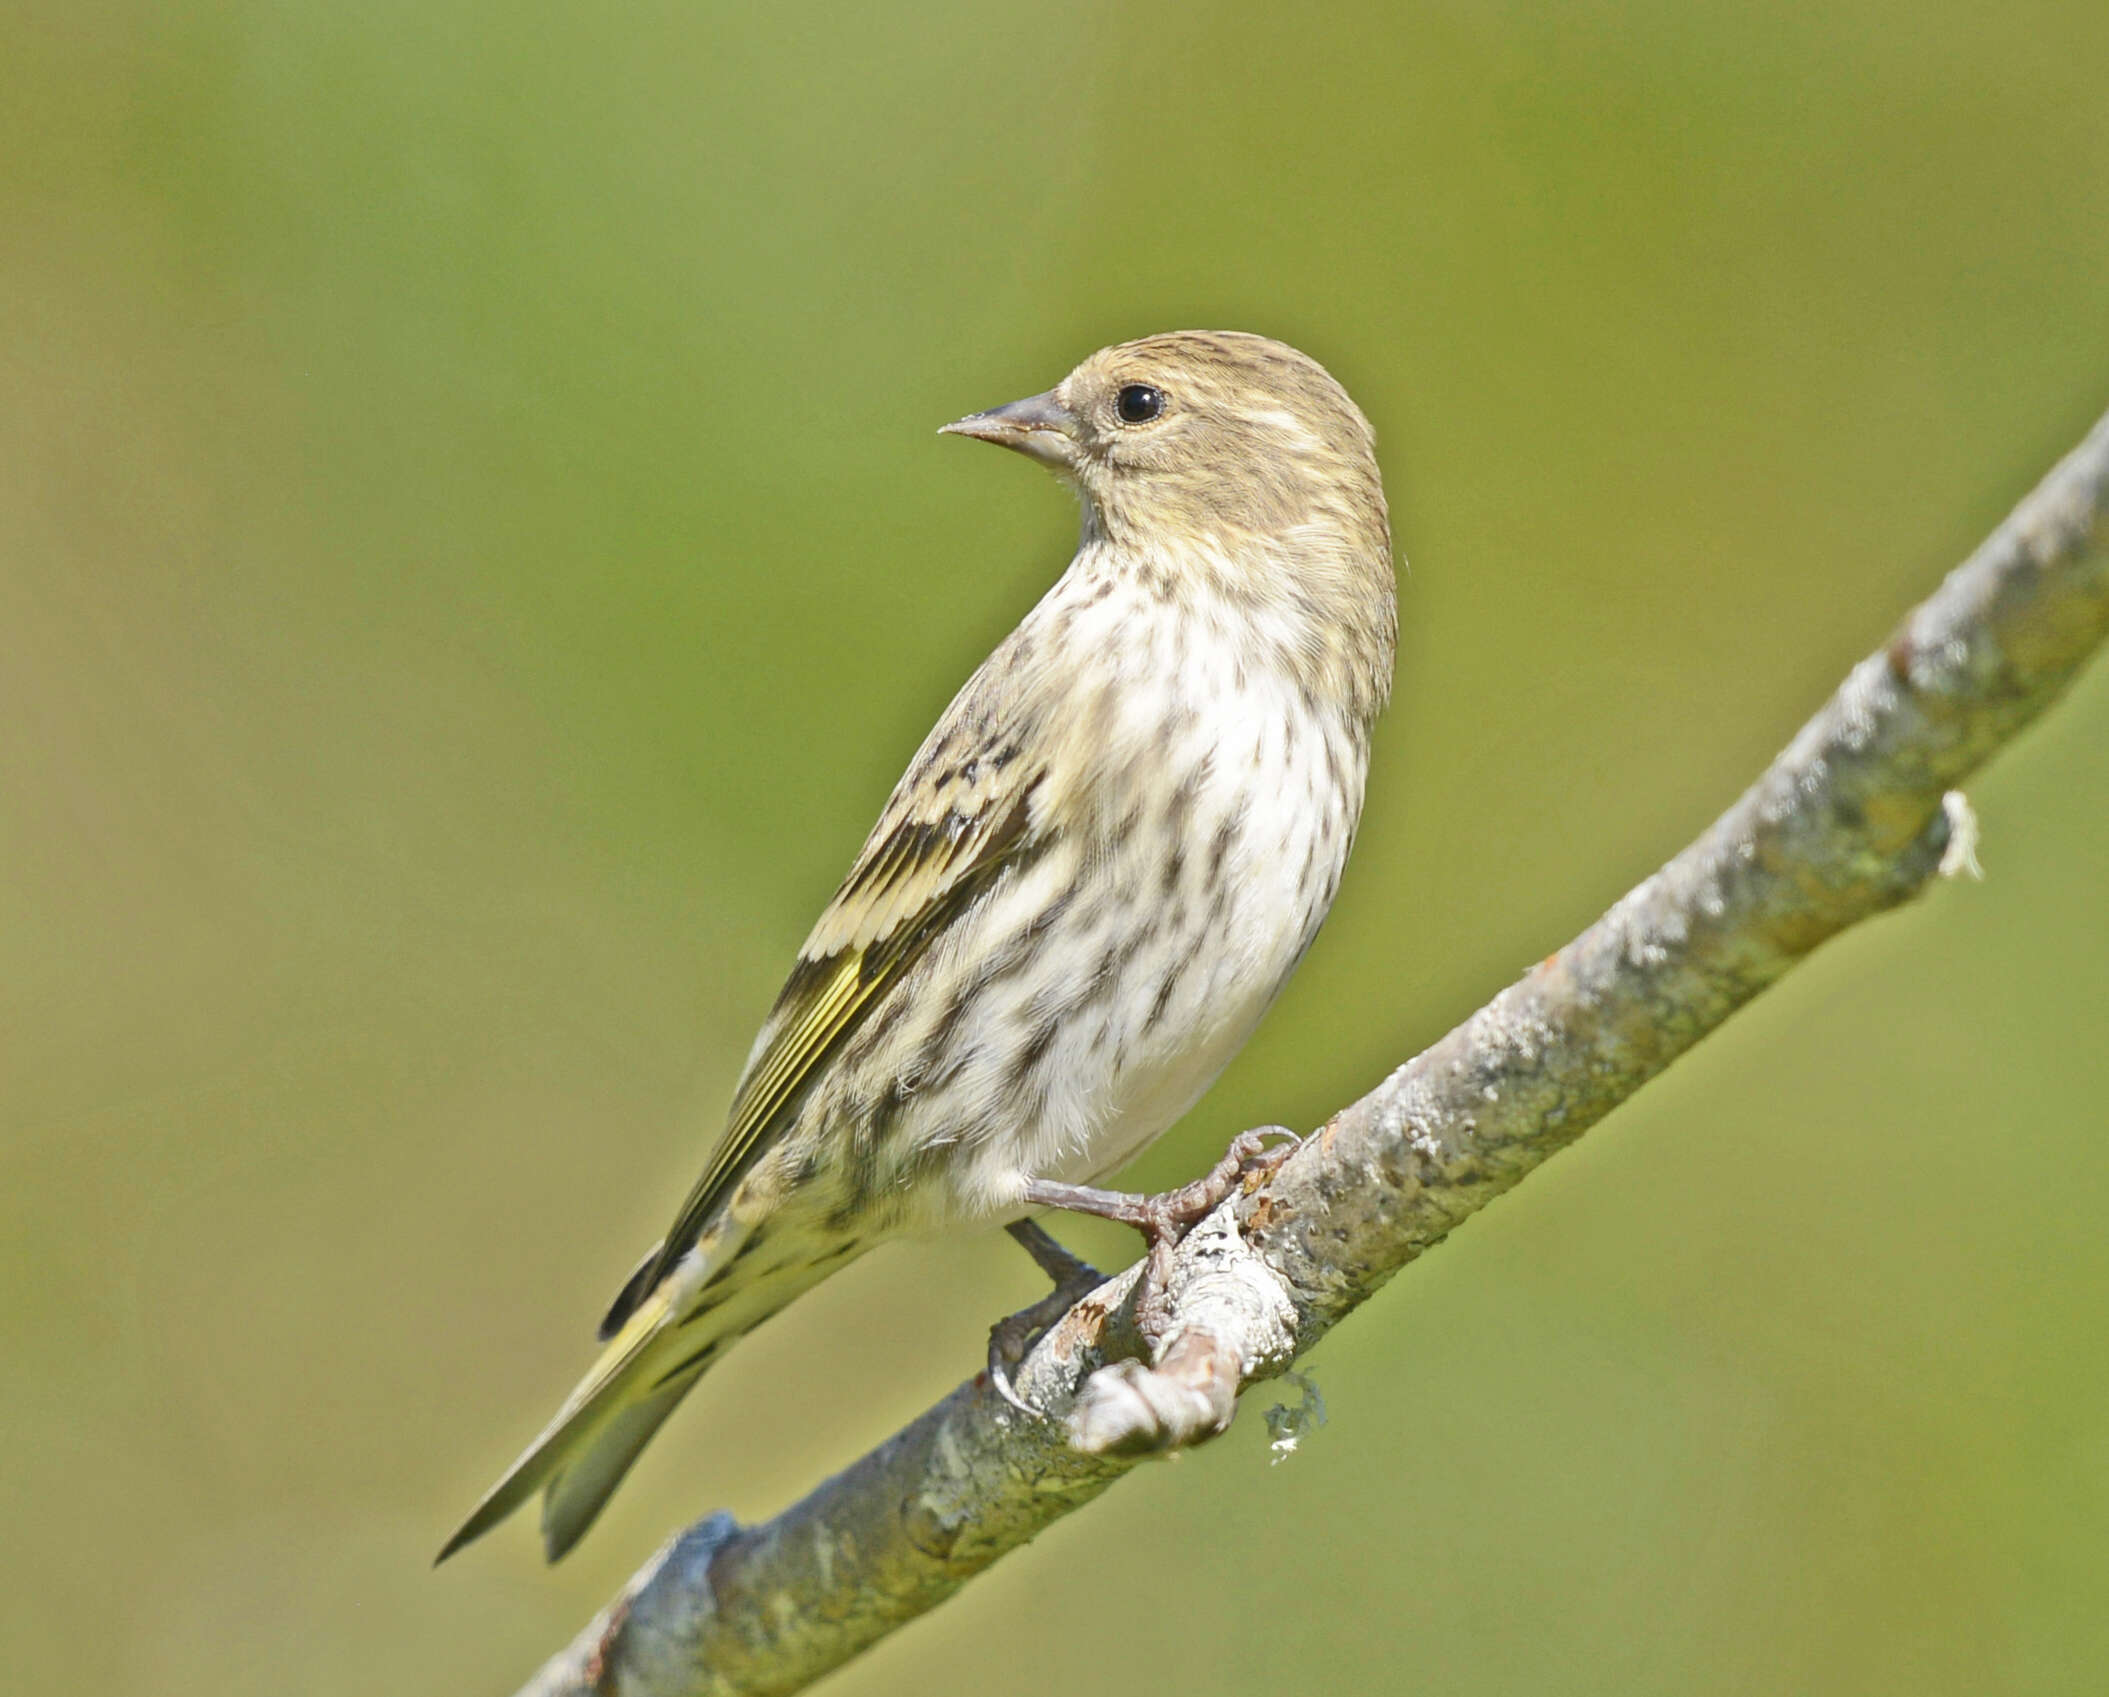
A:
(1858, 814)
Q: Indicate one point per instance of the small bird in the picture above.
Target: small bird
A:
(1097, 873)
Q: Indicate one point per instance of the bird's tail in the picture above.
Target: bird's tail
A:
(666, 1344)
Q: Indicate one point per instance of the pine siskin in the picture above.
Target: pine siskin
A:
(1097, 873)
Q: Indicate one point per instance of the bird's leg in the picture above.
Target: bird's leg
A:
(1167, 1217)
(1011, 1337)
(1050, 1256)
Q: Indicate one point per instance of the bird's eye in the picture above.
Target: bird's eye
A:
(1138, 403)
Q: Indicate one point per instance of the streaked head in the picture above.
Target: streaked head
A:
(1211, 432)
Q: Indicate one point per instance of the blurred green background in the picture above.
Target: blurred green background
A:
(474, 556)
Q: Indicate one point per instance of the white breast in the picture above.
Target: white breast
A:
(1225, 808)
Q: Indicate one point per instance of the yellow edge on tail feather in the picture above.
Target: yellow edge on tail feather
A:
(571, 1428)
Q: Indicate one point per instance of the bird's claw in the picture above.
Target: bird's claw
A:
(1014, 1335)
(1163, 1219)
(1256, 1160)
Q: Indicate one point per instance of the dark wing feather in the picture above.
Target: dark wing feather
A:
(946, 834)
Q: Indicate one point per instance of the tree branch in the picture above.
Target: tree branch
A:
(1857, 815)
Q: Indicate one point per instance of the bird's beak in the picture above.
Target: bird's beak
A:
(1039, 427)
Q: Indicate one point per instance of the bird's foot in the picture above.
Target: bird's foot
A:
(1166, 1218)
(1010, 1337)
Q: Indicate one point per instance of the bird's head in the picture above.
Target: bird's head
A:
(1211, 434)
